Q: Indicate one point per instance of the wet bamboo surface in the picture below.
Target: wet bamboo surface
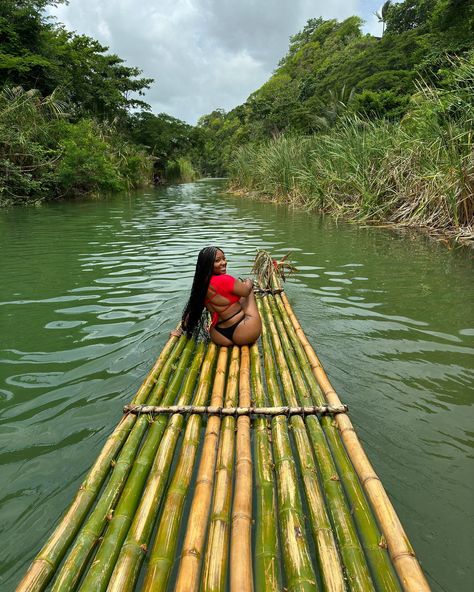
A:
(198, 501)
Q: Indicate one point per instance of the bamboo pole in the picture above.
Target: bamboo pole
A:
(89, 534)
(152, 378)
(379, 561)
(241, 577)
(214, 573)
(190, 565)
(164, 548)
(47, 561)
(103, 563)
(235, 411)
(400, 549)
(351, 550)
(267, 553)
(300, 575)
(133, 550)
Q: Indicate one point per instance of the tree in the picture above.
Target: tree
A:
(165, 136)
(37, 53)
(408, 15)
(382, 14)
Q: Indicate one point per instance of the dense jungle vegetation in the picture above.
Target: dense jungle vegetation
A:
(356, 125)
(365, 127)
(72, 118)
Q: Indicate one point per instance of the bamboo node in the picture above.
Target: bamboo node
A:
(370, 478)
(402, 555)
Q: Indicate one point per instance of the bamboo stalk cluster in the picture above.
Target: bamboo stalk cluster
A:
(238, 483)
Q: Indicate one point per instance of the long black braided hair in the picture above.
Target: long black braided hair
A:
(191, 321)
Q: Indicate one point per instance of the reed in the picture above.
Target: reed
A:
(48, 559)
(241, 576)
(416, 172)
(189, 571)
(267, 575)
(180, 170)
(103, 563)
(216, 558)
(401, 552)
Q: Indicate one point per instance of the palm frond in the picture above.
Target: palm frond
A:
(269, 273)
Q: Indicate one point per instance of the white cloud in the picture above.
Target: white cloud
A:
(203, 54)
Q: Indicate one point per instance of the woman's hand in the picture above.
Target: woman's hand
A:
(243, 287)
(176, 332)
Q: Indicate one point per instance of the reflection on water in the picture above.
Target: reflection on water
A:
(90, 291)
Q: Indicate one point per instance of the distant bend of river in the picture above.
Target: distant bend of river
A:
(90, 290)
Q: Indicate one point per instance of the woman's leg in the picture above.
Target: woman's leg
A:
(250, 327)
(219, 339)
(249, 306)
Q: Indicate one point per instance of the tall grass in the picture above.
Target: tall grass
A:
(418, 172)
(180, 170)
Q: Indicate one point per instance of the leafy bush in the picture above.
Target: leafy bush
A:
(43, 156)
(87, 164)
(28, 148)
(180, 170)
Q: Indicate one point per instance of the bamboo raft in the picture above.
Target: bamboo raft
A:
(232, 468)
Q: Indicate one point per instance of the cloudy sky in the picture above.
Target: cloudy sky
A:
(203, 54)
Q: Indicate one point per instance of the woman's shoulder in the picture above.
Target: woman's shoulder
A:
(223, 280)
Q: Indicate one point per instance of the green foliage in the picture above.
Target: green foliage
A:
(28, 151)
(37, 53)
(408, 15)
(55, 139)
(165, 138)
(180, 170)
(44, 156)
(87, 164)
(418, 171)
(329, 58)
(385, 103)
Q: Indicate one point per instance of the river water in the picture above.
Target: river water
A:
(90, 289)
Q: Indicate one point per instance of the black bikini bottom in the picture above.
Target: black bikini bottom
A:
(228, 332)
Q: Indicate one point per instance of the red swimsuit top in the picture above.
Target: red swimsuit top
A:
(223, 284)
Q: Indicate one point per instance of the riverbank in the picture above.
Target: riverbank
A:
(370, 172)
(417, 171)
(455, 238)
(46, 156)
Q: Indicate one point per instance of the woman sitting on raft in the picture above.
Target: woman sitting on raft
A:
(235, 318)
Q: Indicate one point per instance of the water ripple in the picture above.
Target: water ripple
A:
(392, 320)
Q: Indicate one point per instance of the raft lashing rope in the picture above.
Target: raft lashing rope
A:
(235, 411)
(232, 469)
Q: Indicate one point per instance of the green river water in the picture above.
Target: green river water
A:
(90, 290)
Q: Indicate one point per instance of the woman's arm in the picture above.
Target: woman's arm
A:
(242, 288)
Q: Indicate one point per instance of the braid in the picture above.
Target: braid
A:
(192, 314)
